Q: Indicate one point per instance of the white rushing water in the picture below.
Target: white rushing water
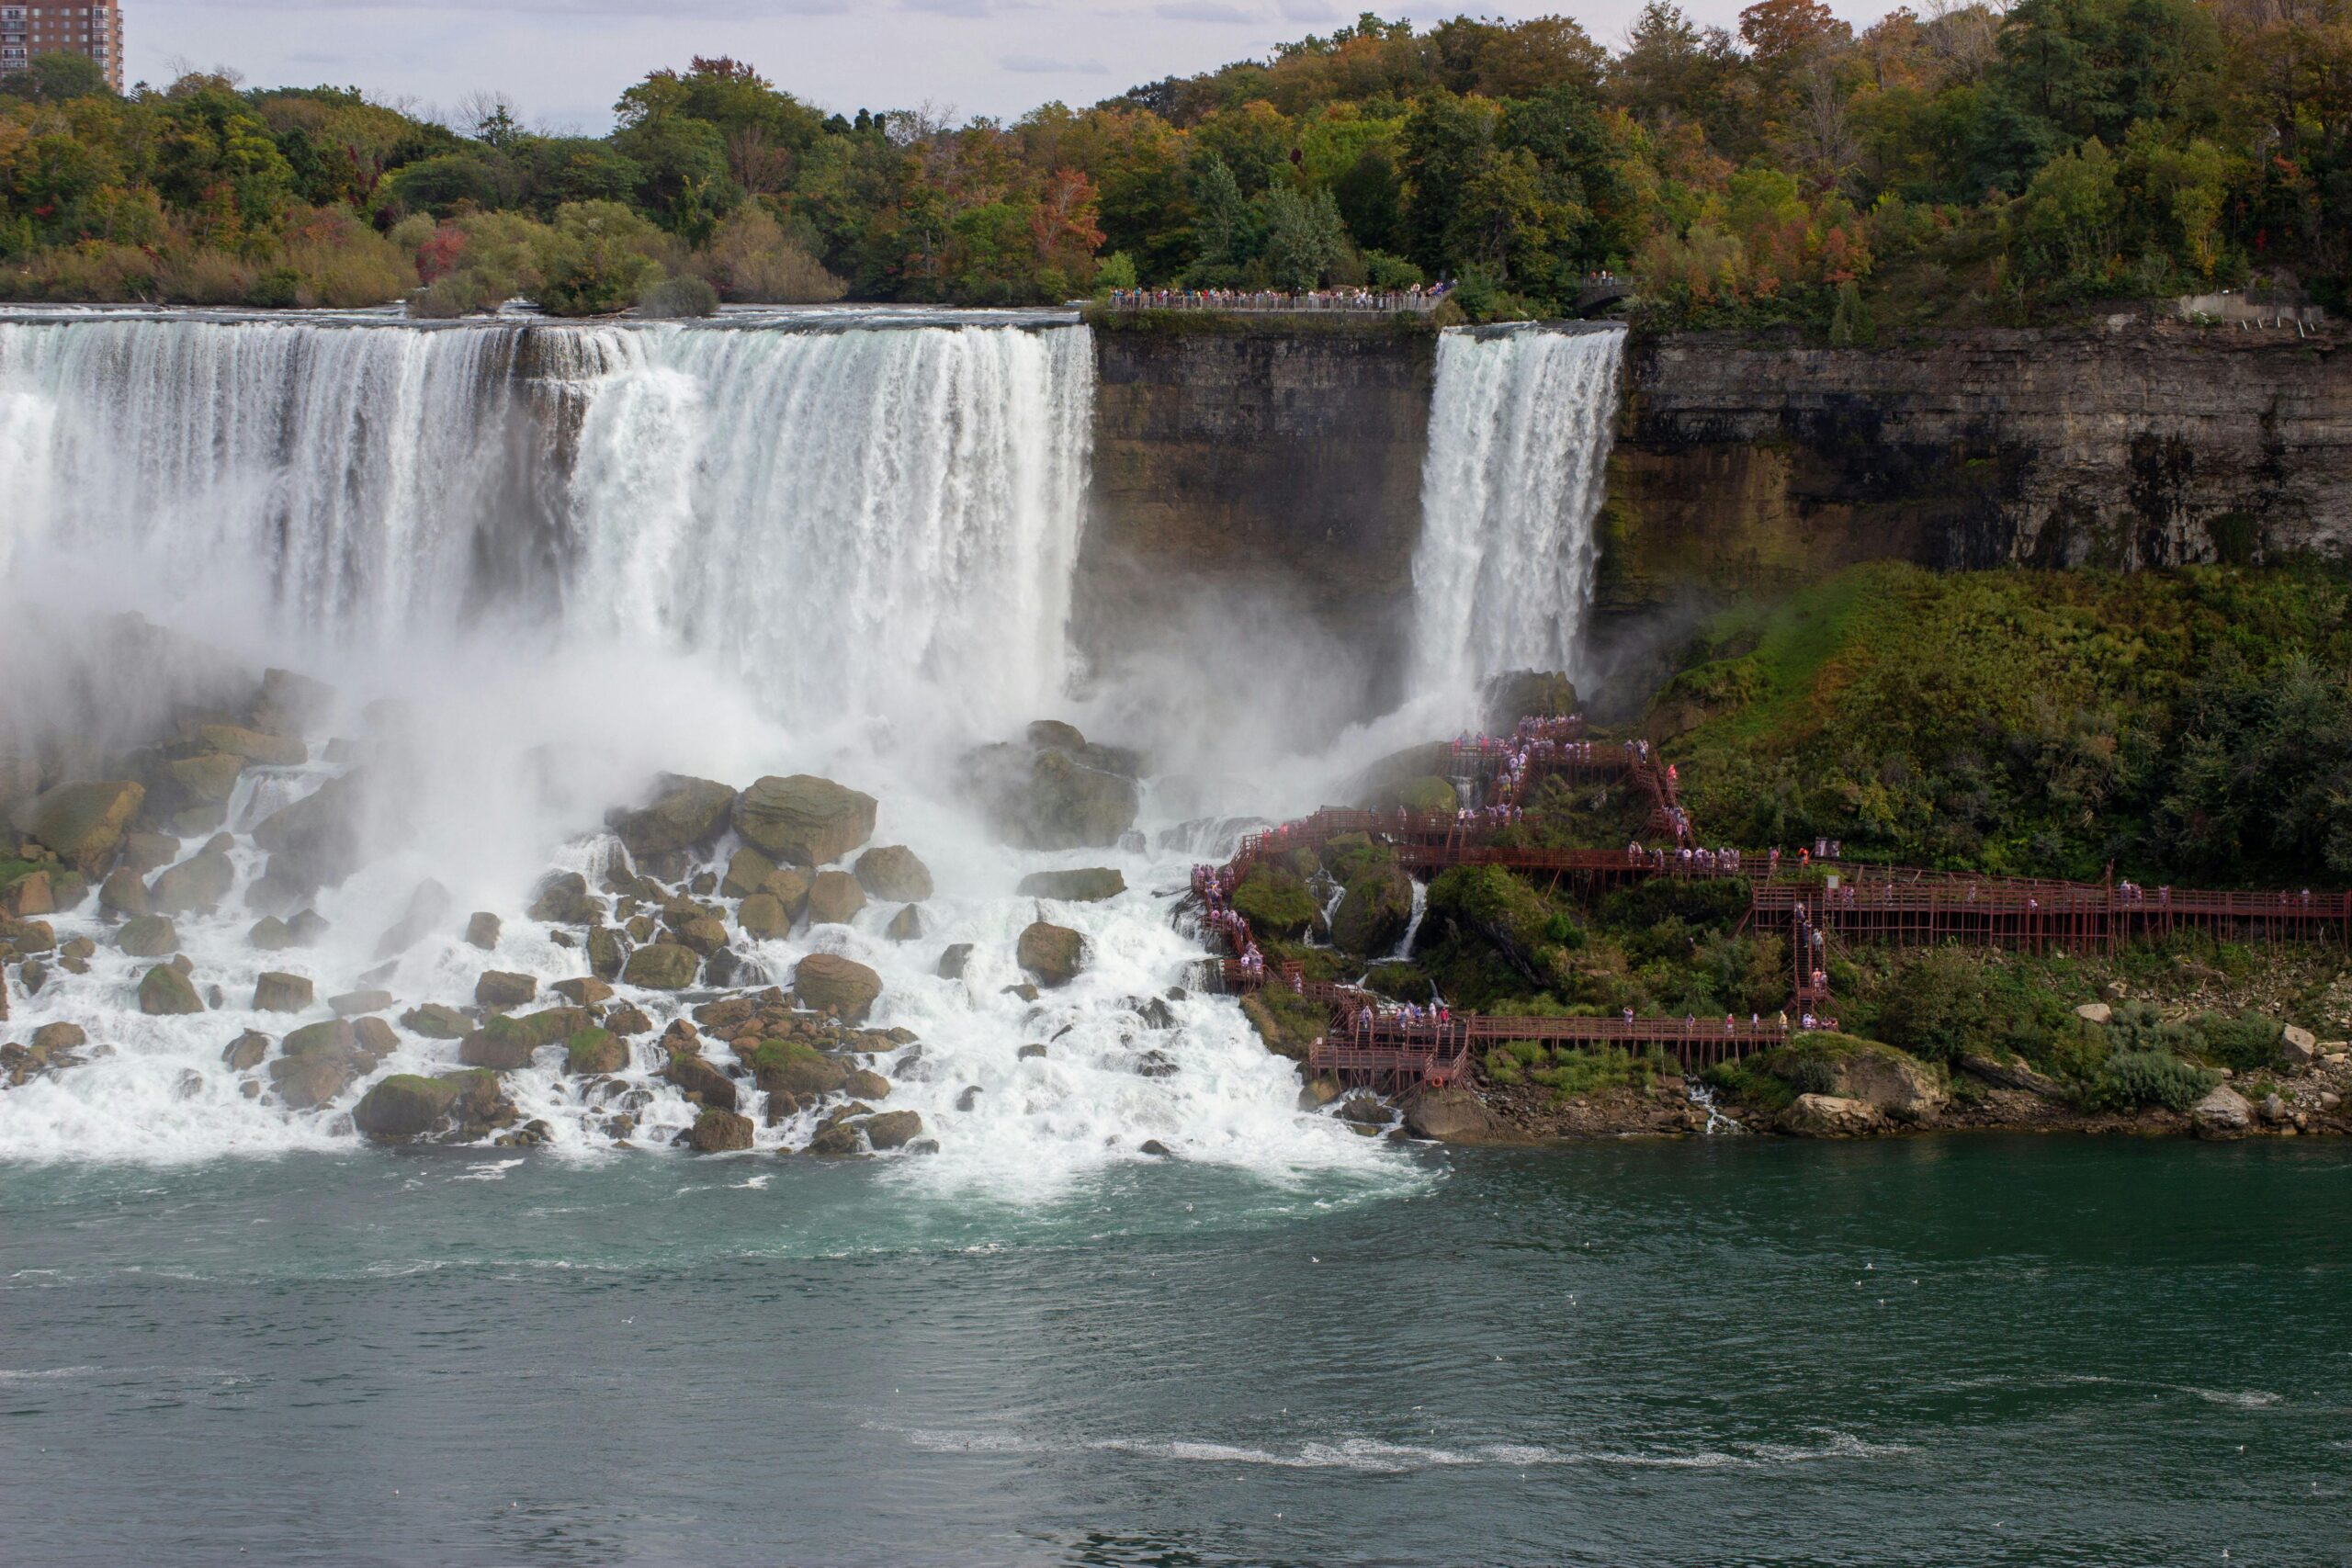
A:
(582, 554)
(1519, 431)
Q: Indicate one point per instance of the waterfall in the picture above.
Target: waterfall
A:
(852, 521)
(1520, 431)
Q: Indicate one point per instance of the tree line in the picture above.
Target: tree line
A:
(1956, 166)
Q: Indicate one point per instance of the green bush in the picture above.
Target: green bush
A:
(2133, 1080)
(677, 298)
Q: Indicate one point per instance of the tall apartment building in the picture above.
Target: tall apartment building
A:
(94, 29)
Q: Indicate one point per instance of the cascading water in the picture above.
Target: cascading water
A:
(1520, 431)
(585, 553)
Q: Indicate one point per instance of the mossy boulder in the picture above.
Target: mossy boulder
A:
(684, 814)
(894, 873)
(148, 936)
(1086, 885)
(164, 991)
(662, 967)
(1055, 792)
(208, 780)
(593, 1051)
(329, 1037)
(1278, 904)
(1374, 912)
(607, 951)
(803, 820)
(834, 898)
(82, 822)
(404, 1106)
(1052, 955)
(842, 986)
(795, 1067)
(506, 1044)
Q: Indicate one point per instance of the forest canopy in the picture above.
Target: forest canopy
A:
(1956, 164)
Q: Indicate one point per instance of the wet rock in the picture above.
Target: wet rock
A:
(563, 900)
(719, 1132)
(352, 1004)
(625, 1019)
(331, 1036)
(840, 987)
(245, 1052)
(866, 1084)
(764, 918)
(681, 1036)
(1055, 791)
(1032, 1052)
(684, 814)
(969, 1099)
(429, 906)
(307, 1082)
(906, 925)
(505, 988)
(436, 1023)
(148, 936)
(163, 991)
(252, 746)
(143, 853)
(705, 935)
(31, 975)
(482, 929)
(952, 960)
(663, 966)
(270, 934)
(593, 1051)
(197, 884)
(892, 1128)
(1088, 885)
(291, 703)
(607, 953)
(582, 992)
(795, 1068)
(1450, 1115)
(375, 1039)
(52, 1038)
(316, 841)
(840, 1141)
(123, 893)
(893, 873)
(1157, 1014)
(81, 823)
(802, 819)
(405, 1106)
(747, 869)
(1025, 990)
(1155, 1065)
(700, 1080)
(1156, 1149)
(208, 779)
(307, 927)
(27, 895)
(1052, 955)
(1374, 914)
(275, 991)
(834, 898)
(1831, 1116)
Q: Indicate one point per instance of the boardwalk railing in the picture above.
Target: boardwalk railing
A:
(1364, 301)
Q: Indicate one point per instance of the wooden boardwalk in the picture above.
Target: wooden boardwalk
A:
(1369, 1041)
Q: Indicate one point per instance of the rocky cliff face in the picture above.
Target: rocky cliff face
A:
(1257, 471)
(1745, 466)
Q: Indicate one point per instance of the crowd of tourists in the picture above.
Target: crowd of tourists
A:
(1419, 297)
(1213, 886)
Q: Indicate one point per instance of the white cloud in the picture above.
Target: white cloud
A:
(1203, 11)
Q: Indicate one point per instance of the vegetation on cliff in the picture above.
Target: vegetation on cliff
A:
(1971, 165)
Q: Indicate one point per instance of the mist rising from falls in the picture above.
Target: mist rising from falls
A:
(1520, 431)
(858, 523)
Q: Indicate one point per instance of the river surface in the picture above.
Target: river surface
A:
(1931, 1351)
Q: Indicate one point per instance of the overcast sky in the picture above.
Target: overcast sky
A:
(563, 62)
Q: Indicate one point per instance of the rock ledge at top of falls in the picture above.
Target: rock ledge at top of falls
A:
(1054, 789)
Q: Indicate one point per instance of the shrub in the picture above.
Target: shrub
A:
(675, 299)
(752, 260)
(2133, 1080)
